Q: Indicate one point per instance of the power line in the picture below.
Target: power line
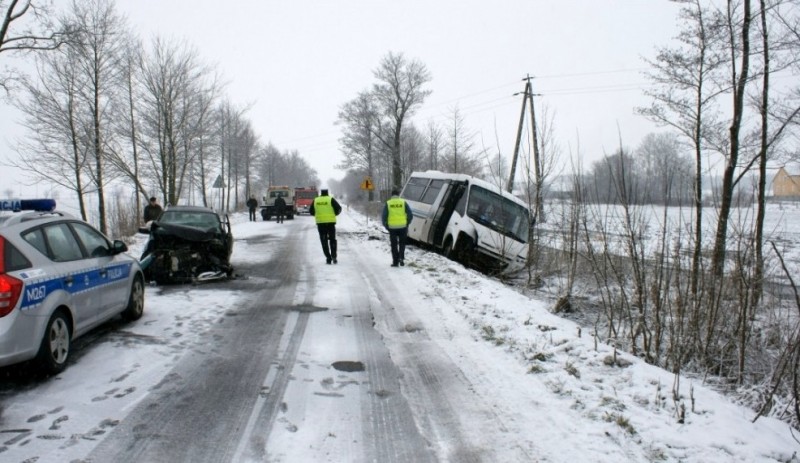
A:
(489, 105)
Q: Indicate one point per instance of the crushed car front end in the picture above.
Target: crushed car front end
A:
(184, 254)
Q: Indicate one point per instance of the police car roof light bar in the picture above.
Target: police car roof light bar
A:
(39, 205)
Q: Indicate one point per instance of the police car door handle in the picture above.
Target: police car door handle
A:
(103, 272)
(68, 280)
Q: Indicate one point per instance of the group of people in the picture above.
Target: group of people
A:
(280, 208)
(396, 217)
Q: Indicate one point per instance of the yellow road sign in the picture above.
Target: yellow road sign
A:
(367, 184)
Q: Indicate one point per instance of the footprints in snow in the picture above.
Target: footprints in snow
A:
(22, 437)
(115, 393)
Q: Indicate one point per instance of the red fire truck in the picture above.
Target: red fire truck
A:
(304, 198)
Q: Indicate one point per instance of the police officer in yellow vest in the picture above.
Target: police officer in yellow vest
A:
(325, 209)
(396, 217)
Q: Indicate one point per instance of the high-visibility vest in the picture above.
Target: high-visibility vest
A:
(323, 210)
(397, 213)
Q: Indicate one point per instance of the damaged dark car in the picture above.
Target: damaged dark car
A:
(188, 244)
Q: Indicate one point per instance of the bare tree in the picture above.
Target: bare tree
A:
(413, 150)
(684, 98)
(98, 47)
(462, 155)
(773, 122)
(435, 146)
(739, 45)
(399, 93)
(359, 144)
(27, 26)
(177, 98)
(124, 155)
(658, 158)
(56, 150)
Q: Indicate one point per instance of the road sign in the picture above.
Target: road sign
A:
(367, 184)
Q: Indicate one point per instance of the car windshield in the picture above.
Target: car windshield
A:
(498, 213)
(197, 219)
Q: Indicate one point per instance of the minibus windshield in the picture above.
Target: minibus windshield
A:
(498, 213)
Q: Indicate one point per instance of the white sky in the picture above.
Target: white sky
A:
(500, 407)
(297, 62)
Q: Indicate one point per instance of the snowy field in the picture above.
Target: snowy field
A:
(675, 226)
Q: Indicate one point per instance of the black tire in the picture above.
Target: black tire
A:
(447, 249)
(135, 307)
(56, 345)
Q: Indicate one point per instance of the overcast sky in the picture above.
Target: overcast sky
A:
(298, 61)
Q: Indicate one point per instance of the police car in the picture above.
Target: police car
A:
(59, 278)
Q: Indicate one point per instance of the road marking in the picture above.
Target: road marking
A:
(267, 386)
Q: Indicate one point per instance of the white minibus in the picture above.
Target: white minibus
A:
(468, 220)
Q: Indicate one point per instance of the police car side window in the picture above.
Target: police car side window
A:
(14, 259)
(93, 242)
(36, 239)
(61, 243)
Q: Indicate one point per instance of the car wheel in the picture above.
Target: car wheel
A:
(54, 350)
(447, 249)
(135, 307)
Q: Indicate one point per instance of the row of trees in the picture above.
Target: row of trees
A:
(105, 109)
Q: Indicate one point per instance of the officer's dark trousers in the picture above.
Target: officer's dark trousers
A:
(397, 241)
(327, 236)
(252, 215)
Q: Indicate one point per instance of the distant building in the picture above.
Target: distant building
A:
(786, 184)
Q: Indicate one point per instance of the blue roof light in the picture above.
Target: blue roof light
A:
(42, 205)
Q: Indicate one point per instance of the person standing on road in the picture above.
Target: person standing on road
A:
(252, 204)
(280, 209)
(325, 209)
(153, 210)
(396, 217)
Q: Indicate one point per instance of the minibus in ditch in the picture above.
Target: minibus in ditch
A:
(469, 220)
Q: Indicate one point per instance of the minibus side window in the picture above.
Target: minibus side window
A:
(432, 192)
(461, 207)
(414, 188)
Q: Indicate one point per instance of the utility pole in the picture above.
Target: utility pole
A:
(519, 136)
(538, 169)
(537, 160)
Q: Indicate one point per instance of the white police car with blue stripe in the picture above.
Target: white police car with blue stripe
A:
(59, 278)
